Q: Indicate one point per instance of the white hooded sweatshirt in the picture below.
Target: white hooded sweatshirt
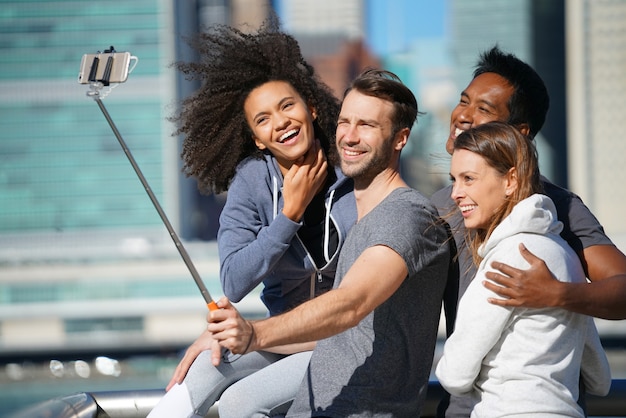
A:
(522, 361)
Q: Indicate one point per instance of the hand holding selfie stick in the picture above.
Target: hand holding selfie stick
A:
(95, 87)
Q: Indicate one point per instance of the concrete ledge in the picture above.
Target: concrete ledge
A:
(137, 404)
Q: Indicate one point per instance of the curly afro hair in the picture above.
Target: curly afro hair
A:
(232, 63)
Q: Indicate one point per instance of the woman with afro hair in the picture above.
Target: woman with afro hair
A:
(262, 127)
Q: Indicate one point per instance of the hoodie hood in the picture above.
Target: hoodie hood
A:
(534, 215)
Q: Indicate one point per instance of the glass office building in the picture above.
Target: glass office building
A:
(62, 169)
(85, 260)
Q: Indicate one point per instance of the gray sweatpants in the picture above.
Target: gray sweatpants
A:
(258, 384)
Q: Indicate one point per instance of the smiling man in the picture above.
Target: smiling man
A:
(507, 89)
(377, 328)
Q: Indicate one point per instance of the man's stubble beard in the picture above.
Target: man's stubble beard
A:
(366, 170)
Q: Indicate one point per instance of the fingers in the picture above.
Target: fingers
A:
(177, 378)
(226, 326)
(231, 331)
(314, 154)
(504, 269)
(534, 287)
(204, 342)
(224, 303)
(500, 290)
(505, 290)
(241, 340)
(216, 353)
(182, 368)
(504, 302)
(313, 161)
(501, 279)
(509, 271)
(528, 256)
(230, 334)
(226, 310)
(303, 181)
(171, 384)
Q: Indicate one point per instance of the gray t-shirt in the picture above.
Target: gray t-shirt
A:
(380, 368)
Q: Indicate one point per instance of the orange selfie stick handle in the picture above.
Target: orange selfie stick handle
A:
(212, 306)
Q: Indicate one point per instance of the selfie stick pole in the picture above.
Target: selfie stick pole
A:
(179, 246)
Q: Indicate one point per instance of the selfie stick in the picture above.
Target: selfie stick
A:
(95, 93)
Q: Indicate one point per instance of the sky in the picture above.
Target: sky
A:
(392, 24)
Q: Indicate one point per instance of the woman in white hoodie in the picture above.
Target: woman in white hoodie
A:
(515, 361)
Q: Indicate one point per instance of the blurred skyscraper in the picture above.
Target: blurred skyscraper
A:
(579, 49)
(62, 168)
(69, 199)
(84, 257)
(596, 108)
(534, 31)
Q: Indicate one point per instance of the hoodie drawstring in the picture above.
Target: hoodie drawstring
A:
(316, 274)
(275, 196)
(327, 225)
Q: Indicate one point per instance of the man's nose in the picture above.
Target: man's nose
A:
(465, 114)
(349, 135)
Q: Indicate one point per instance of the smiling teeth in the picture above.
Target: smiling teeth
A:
(287, 134)
(351, 153)
(465, 208)
(458, 132)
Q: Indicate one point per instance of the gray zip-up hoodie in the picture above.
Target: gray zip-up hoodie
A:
(257, 243)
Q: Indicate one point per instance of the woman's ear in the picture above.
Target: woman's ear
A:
(260, 145)
(313, 112)
(511, 182)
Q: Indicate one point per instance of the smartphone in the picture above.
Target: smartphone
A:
(107, 67)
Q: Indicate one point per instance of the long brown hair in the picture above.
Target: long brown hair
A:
(503, 148)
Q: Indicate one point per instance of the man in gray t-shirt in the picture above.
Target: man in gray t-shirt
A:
(376, 329)
(382, 364)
